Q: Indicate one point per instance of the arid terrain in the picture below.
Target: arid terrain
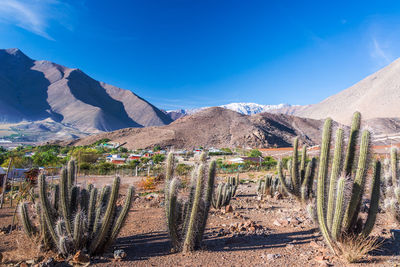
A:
(268, 232)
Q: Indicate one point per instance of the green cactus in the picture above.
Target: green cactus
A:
(391, 188)
(222, 196)
(187, 218)
(83, 220)
(268, 186)
(338, 212)
(301, 177)
(234, 182)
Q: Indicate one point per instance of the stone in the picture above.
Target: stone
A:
(277, 223)
(228, 208)
(80, 258)
(119, 254)
(278, 196)
(271, 257)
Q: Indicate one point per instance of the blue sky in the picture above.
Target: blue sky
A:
(186, 53)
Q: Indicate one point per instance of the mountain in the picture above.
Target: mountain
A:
(242, 108)
(42, 91)
(376, 96)
(218, 127)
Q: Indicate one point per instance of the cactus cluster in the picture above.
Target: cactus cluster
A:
(391, 185)
(268, 186)
(338, 210)
(223, 195)
(187, 217)
(75, 218)
(234, 182)
(301, 174)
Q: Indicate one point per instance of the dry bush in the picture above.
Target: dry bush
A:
(148, 183)
(355, 248)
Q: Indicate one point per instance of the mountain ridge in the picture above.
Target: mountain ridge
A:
(34, 90)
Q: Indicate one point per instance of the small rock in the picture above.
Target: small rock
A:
(23, 264)
(30, 262)
(228, 208)
(278, 196)
(80, 258)
(119, 254)
(277, 223)
(271, 257)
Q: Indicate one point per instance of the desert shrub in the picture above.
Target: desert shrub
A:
(148, 183)
(183, 169)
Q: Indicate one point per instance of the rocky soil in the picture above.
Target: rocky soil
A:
(252, 232)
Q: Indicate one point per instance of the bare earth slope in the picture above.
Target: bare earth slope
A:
(218, 127)
(36, 90)
(377, 96)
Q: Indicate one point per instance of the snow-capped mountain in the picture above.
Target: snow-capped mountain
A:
(253, 108)
(243, 108)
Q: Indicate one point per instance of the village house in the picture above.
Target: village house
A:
(116, 159)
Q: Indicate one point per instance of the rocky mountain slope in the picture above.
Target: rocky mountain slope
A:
(218, 127)
(376, 96)
(242, 108)
(39, 90)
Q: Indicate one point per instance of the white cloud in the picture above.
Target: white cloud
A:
(379, 52)
(32, 15)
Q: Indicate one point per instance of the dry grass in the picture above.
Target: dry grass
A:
(356, 248)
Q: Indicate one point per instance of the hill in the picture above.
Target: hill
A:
(376, 96)
(41, 90)
(218, 127)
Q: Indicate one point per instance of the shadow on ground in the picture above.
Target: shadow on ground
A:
(144, 246)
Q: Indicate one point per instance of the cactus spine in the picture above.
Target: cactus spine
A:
(93, 224)
(301, 184)
(187, 218)
(337, 213)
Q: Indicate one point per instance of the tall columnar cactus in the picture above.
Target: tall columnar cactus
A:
(268, 186)
(187, 218)
(301, 176)
(82, 220)
(338, 211)
(222, 196)
(234, 183)
(391, 188)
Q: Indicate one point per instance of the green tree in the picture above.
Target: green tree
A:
(254, 153)
(158, 158)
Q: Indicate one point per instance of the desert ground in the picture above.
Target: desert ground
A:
(272, 231)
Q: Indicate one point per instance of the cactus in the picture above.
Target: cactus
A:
(268, 186)
(234, 182)
(222, 196)
(391, 188)
(301, 175)
(83, 220)
(338, 211)
(187, 218)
